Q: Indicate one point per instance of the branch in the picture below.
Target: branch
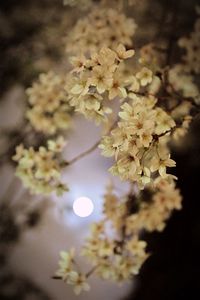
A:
(90, 150)
(75, 159)
(89, 273)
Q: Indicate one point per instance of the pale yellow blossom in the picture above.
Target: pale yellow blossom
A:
(49, 109)
(145, 76)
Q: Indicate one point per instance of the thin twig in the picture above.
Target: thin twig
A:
(90, 272)
(75, 159)
(90, 150)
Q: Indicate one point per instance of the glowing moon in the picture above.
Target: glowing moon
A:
(83, 207)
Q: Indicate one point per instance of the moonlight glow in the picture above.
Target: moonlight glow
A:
(83, 207)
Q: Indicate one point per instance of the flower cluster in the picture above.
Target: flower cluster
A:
(40, 170)
(111, 256)
(117, 252)
(103, 27)
(49, 111)
(154, 212)
(95, 80)
(184, 82)
(114, 260)
(68, 274)
(139, 142)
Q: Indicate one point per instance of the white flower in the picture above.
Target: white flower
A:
(145, 76)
